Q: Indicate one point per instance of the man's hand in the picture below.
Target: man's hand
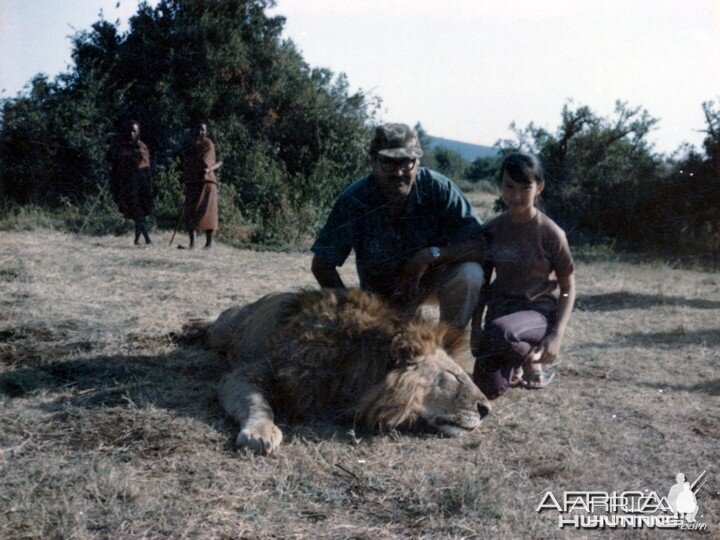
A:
(326, 274)
(412, 273)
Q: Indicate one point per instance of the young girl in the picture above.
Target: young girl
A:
(525, 321)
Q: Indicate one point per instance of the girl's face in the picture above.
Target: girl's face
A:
(520, 198)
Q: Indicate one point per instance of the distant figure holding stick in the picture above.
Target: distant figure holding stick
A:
(201, 194)
(130, 180)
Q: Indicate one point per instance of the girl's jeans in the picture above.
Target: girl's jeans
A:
(505, 343)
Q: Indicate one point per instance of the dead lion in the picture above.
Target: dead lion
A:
(342, 351)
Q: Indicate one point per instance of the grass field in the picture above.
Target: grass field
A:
(108, 429)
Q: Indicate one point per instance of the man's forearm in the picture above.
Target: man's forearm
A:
(326, 274)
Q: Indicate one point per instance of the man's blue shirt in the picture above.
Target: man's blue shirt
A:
(436, 213)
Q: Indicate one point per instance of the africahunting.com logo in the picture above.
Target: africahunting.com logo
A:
(629, 509)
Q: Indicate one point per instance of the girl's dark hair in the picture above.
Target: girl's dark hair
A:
(522, 168)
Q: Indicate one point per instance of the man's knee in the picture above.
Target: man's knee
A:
(468, 276)
(458, 292)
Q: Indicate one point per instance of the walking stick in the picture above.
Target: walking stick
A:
(182, 212)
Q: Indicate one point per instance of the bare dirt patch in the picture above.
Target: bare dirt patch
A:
(109, 428)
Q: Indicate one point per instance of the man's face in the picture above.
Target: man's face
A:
(395, 176)
(202, 131)
(134, 132)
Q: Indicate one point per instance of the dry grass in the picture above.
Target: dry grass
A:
(109, 429)
(483, 203)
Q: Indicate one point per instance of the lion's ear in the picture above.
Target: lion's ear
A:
(401, 349)
(453, 340)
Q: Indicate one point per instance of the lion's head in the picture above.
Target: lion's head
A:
(426, 384)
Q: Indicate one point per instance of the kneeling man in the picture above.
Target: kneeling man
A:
(414, 233)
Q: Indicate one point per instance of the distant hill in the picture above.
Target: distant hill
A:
(468, 151)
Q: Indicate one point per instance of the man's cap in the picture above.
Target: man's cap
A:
(396, 141)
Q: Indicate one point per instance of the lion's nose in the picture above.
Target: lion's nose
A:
(483, 410)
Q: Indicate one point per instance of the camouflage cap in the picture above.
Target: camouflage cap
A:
(396, 141)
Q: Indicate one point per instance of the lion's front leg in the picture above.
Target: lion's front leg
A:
(245, 402)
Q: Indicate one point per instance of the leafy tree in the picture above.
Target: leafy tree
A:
(712, 140)
(449, 162)
(483, 168)
(428, 159)
(690, 199)
(441, 159)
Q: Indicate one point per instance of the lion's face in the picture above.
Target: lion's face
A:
(451, 403)
(427, 385)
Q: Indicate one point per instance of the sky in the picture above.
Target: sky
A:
(465, 69)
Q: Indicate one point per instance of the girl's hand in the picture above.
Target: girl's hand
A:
(551, 348)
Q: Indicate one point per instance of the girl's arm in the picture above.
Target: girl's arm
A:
(551, 344)
(476, 332)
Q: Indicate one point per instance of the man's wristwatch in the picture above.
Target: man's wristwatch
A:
(434, 252)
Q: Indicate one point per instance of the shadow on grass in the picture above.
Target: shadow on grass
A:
(710, 387)
(624, 300)
(675, 338)
(109, 380)
(183, 381)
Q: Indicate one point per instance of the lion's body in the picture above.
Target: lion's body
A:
(345, 353)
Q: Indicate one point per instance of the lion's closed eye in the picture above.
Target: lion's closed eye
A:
(448, 379)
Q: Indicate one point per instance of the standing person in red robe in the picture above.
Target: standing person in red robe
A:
(201, 194)
(130, 180)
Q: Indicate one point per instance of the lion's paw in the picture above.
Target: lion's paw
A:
(262, 438)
